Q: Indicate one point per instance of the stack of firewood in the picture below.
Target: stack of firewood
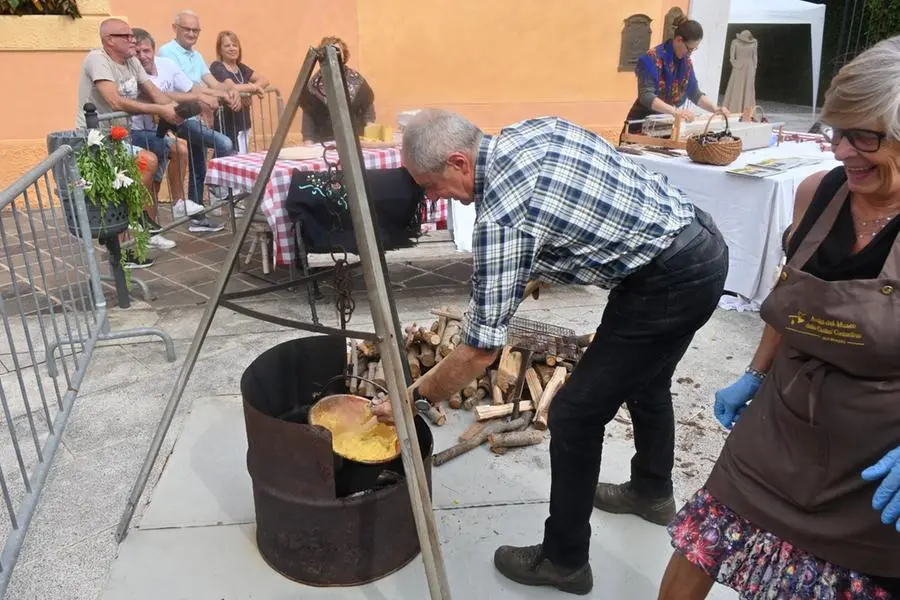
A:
(488, 397)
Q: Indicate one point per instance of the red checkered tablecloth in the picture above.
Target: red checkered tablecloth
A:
(239, 172)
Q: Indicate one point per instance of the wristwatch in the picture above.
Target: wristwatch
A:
(421, 403)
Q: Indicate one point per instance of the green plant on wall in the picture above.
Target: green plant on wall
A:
(40, 7)
(884, 19)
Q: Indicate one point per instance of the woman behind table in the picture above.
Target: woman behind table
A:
(313, 100)
(804, 500)
(666, 78)
(236, 125)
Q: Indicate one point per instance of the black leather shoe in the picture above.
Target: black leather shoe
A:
(528, 566)
(621, 499)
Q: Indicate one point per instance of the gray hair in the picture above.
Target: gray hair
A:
(185, 13)
(866, 88)
(433, 134)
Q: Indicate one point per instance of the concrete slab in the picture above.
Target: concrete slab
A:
(628, 558)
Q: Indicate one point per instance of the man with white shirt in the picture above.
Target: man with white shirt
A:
(198, 133)
(174, 83)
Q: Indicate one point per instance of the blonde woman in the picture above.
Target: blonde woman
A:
(804, 501)
(230, 68)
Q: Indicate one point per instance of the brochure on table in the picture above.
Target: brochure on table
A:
(774, 166)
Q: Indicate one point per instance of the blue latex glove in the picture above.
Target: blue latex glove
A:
(733, 400)
(887, 496)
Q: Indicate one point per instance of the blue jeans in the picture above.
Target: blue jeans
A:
(147, 140)
(199, 138)
(648, 324)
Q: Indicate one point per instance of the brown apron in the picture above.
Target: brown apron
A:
(829, 408)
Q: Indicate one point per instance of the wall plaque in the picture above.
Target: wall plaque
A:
(635, 41)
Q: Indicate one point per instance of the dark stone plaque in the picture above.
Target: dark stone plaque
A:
(635, 41)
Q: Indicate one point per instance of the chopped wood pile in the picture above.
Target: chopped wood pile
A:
(488, 397)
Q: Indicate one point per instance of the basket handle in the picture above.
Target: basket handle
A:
(708, 121)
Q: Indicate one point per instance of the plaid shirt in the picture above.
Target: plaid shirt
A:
(558, 203)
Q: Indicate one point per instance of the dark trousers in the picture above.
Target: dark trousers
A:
(646, 328)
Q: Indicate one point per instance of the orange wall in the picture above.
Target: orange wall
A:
(502, 60)
(496, 61)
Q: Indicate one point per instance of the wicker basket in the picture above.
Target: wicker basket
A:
(718, 153)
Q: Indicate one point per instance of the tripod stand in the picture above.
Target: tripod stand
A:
(387, 334)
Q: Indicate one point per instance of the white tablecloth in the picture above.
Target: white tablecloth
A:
(751, 213)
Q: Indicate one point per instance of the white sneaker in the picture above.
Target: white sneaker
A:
(161, 243)
(184, 208)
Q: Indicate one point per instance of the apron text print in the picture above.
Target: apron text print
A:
(827, 330)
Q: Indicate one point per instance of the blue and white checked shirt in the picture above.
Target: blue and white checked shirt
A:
(558, 203)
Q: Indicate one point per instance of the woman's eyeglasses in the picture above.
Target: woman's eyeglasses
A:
(863, 140)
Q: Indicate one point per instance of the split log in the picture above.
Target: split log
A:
(412, 335)
(475, 399)
(496, 392)
(543, 407)
(478, 439)
(368, 388)
(353, 385)
(483, 413)
(368, 349)
(473, 430)
(583, 341)
(436, 415)
(378, 377)
(451, 313)
(450, 339)
(429, 336)
(412, 356)
(426, 355)
(535, 389)
(508, 371)
(455, 401)
(512, 439)
(544, 372)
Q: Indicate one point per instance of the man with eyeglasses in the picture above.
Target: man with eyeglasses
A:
(198, 134)
(112, 79)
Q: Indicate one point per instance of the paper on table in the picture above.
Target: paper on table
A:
(302, 152)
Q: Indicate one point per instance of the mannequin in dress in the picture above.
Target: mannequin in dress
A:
(741, 93)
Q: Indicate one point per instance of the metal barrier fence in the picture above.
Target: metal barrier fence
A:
(51, 302)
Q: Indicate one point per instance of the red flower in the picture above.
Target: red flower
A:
(141, 162)
(118, 133)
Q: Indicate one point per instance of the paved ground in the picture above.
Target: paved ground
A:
(202, 505)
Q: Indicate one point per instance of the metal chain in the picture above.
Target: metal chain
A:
(343, 287)
(336, 201)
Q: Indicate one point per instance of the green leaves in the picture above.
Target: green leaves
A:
(40, 7)
(884, 19)
(98, 166)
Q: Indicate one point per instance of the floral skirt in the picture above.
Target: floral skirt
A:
(756, 563)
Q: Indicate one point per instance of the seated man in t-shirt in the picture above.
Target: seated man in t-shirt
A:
(112, 79)
(173, 82)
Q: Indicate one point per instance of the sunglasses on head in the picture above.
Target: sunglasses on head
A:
(863, 140)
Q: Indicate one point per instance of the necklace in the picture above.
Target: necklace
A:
(237, 73)
(874, 225)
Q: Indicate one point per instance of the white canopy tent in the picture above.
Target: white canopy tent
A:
(786, 12)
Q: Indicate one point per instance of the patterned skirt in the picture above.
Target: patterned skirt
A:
(756, 563)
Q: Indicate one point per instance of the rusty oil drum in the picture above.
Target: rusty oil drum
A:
(321, 520)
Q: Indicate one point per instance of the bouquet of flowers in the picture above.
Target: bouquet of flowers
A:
(111, 176)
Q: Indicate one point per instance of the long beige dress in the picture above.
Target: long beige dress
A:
(741, 92)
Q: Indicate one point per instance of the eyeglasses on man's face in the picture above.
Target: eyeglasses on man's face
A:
(128, 36)
(194, 30)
